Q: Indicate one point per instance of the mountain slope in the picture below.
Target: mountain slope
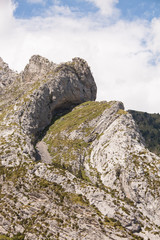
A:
(72, 168)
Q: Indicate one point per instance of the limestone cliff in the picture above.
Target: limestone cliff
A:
(72, 168)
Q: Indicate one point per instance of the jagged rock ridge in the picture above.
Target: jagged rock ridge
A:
(85, 174)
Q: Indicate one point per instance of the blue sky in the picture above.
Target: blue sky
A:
(130, 9)
(120, 40)
(27, 9)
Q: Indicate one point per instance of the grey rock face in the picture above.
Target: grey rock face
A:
(37, 68)
(61, 87)
(7, 76)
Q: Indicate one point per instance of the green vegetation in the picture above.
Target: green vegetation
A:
(78, 199)
(125, 210)
(121, 111)
(43, 185)
(113, 222)
(18, 236)
(149, 125)
(83, 113)
(13, 175)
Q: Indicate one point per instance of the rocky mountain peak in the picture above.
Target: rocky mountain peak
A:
(59, 87)
(37, 68)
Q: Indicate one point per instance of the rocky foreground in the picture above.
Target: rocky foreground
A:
(70, 167)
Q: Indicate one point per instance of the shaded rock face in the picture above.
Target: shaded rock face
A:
(89, 177)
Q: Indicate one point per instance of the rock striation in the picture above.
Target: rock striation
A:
(70, 167)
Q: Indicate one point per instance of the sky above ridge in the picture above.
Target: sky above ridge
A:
(120, 39)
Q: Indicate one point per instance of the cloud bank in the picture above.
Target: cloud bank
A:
(124, 56)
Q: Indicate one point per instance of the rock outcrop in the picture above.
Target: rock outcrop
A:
(38, 93)
(72, 168)
(61, 87)
(7, 76)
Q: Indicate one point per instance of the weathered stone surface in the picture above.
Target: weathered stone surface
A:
(7, 76)
(61, 87)
(108, 150)
(37, 68)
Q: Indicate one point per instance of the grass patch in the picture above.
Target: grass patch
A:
(121, 112)
(18, 236)
(83, 113)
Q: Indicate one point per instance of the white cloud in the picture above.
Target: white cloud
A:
(106, 7)
(119, 54)
(6, 14)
